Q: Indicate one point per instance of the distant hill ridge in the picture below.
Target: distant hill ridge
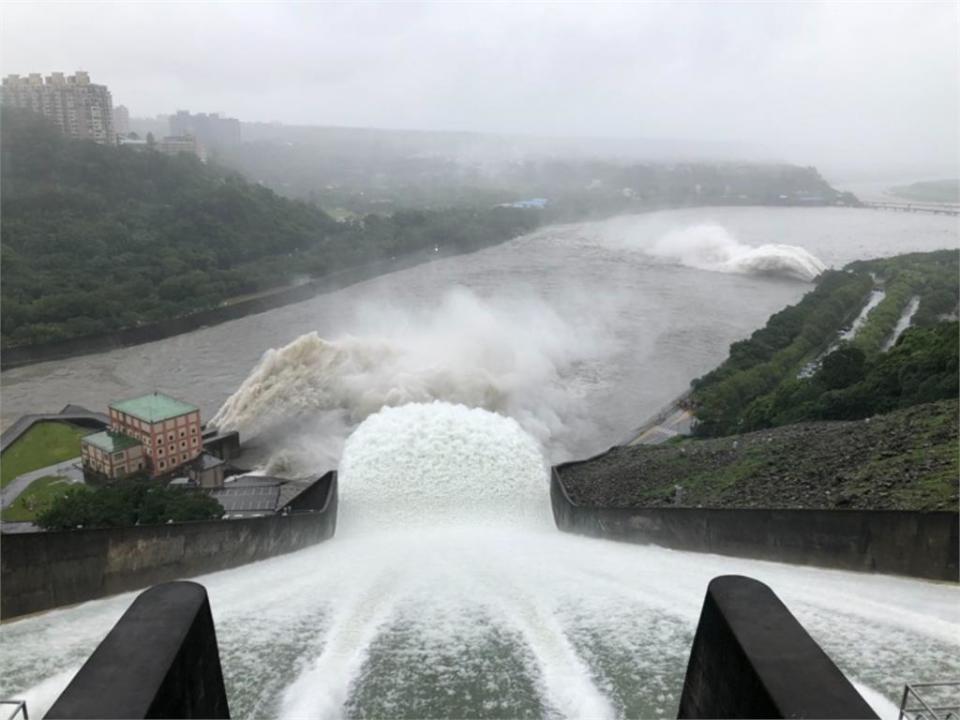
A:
(935, 191)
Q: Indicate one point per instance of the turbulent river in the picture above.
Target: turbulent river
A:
(443, 392)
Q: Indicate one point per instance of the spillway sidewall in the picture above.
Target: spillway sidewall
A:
(45, 570)
(897, 542)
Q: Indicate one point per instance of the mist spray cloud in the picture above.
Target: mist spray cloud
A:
(713, 247)
(504, 356)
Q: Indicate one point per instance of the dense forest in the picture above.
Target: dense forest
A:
(97, 238)
(795, 369)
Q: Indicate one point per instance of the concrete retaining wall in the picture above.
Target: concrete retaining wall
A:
(916, 544)
(73, 414)
(48, 569)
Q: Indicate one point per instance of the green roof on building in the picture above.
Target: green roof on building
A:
(154, 407)
(110, 441)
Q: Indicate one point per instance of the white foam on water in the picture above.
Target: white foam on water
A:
(504, 355)
(876, 297)
(440, 464)
(884, 709)
(903, 323)
(447, 592)
(713, 247)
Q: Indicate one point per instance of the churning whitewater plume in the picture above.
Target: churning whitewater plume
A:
(433, 498)
(440, 464)
(506, 357)
(712, 247)
(447, 593)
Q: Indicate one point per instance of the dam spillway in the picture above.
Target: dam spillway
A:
(493, 613)
(425, 605)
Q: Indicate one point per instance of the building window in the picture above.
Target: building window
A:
(193, 430)
(193, 441)
(183, 457)
(183, 444)
(160, 451)
(182, 433)
(162, 464)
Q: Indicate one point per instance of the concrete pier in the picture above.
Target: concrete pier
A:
(751, 658)
(160, 660)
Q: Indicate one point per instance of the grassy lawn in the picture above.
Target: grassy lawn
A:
(43, 444)
(40, 492)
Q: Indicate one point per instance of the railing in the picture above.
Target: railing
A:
(923, 710)
(935, 208)
(20, 709)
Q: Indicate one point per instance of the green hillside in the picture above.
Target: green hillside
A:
(97, 238)
(795, 369)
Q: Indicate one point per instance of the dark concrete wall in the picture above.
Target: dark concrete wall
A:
(917, 544)
(225, 446)
(313, 497)
(49, 569)
(752, 659)
(160, 660)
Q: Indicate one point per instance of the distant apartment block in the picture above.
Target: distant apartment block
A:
(211, 131)
(121, 120)
(167, 145)
(80, 109)
(155, 433)
(182, 144)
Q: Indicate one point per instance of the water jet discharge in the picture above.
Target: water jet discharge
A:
(447, 591)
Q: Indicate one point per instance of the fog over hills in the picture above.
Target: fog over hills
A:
(857, 89)
(479, 147)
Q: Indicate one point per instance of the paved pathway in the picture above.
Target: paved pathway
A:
(676, 423)
(70, 469)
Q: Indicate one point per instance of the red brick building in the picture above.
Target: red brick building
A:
(156, 433)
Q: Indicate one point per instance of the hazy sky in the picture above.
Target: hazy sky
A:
(842, 85)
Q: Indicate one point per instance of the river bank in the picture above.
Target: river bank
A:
(20, 356)
(236, 308)
(904, 460)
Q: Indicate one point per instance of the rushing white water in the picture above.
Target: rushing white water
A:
(506, 356)
(447, 592)
(876, 297)
(494, 614)
(713, 247)
(903, 323)
(439, 465)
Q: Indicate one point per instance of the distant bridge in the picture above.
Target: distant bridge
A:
(915, 207)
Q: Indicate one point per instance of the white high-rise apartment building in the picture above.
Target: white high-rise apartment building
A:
(80, 108)
(121, 120)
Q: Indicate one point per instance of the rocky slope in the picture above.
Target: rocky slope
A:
(902, 460)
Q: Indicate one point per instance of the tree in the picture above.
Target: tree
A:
(127, 503)
(843, 367)
(99, 238)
